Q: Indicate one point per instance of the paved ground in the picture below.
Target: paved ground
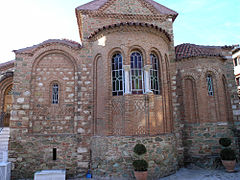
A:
(195, 173)
(199, 174)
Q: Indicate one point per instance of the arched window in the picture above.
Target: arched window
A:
(154, 74)
(117, 75)
(55, 93)
(137, 73)
(210, 85)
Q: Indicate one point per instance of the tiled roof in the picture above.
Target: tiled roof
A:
(67, 42)
(130, 24)
(191, 50)
(162, 9)
(7, 64)
(96, 4)
(92, 5)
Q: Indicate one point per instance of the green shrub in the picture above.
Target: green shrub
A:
(228, 154)
(140, 165)
(225, 142)
(140, 149)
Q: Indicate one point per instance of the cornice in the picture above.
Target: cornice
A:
(128, 16)
(129, 26)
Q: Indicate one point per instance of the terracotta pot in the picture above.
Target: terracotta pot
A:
(141, 175)
(229, 165)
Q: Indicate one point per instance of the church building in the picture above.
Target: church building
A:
(84, 105)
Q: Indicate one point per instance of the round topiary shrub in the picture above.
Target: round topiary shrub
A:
(140, 149)
(228, 154)
(225, 142)
(140, 165)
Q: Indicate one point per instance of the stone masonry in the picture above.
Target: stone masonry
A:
(90, 128)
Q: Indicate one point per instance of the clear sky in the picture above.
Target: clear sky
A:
(24, 23)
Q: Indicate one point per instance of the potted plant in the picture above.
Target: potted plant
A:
(227, 155)
(140, 165)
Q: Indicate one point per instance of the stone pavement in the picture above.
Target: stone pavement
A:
(200, 174)
(195, 173)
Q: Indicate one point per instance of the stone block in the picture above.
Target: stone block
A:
(50, 175)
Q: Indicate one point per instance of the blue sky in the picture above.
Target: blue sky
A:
(28, 22)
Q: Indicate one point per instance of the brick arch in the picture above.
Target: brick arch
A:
(136, 48)
(170, 108)
(212, 103)
(5, 82)
(115, 50)
(226, 100)
(130, 26)
(48, 66)
(190, 100)
(101, 125)
(42, 53)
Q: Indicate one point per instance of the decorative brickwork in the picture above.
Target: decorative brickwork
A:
(63, 96)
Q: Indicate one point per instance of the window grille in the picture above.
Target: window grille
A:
(210, 85)
(55, 94)
(137, 73)
(117, 75)
(154, 74)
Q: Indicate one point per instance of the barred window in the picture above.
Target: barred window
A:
(137, 73)
(154, 74)
(55, 93)
(210, 85)
(117, 75)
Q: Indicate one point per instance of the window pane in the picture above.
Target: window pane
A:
(136, 73)
(154, 73)
(210, 85)
(55, 96)
(117, 75)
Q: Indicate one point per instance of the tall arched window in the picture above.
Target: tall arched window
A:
(137, 73)
(55, 93)
(154, 74)
(117, 75)
(210, 85)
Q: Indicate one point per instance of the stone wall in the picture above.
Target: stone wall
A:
(211, 117)
(30, 153)
(201, 140)
(113, 156)
(31, 144)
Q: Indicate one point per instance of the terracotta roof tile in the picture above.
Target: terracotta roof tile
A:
(96, 4)
(6, 64)
(191, 50)
(93, 5)
(161, 9)
(67, 42)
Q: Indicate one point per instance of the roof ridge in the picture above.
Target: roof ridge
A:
(71, 43)
(187, 50)
(96, 5)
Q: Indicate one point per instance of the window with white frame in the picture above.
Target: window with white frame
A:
(210, 85)
(55, 93)
(117, 75)
(137, 73)
(154, 74)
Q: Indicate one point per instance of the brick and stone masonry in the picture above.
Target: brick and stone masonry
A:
(89, 127)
